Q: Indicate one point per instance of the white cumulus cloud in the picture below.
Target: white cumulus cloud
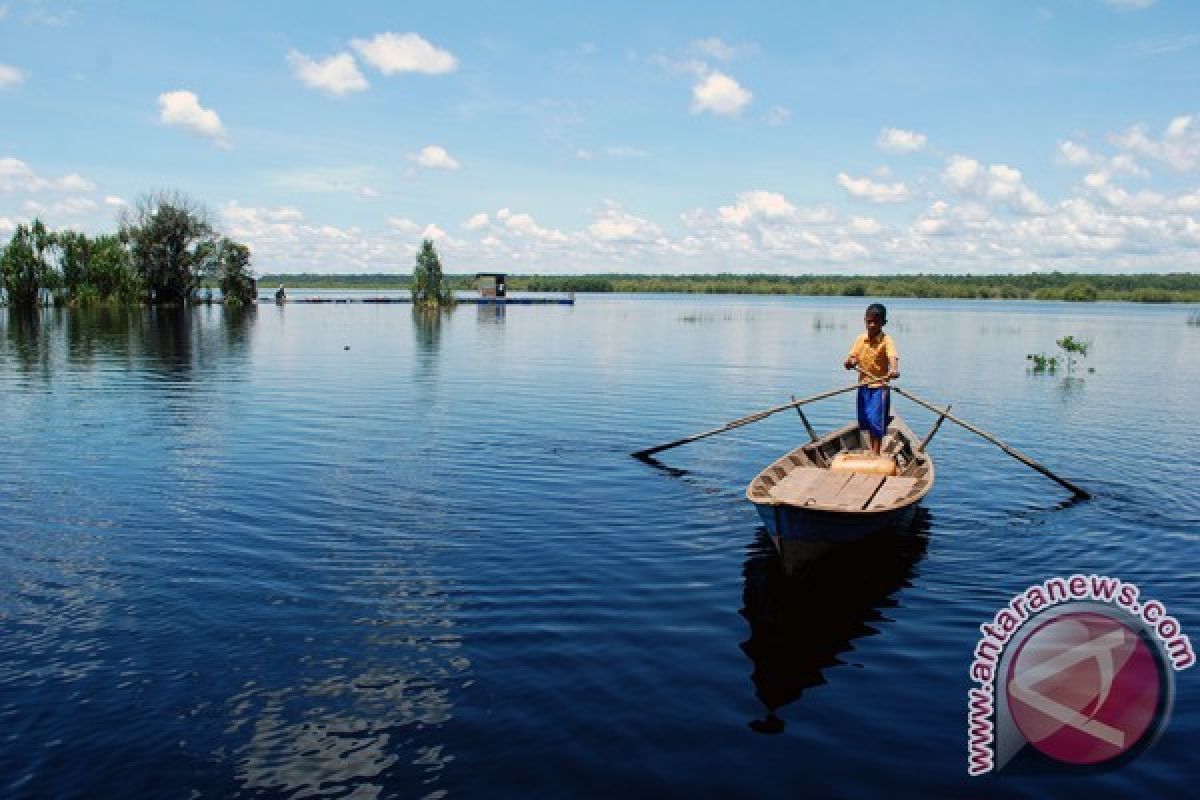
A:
(525, 225)
(476, 221)
(866, 226)
(1179, 147)
(17, 176)
(997, 183)
(434, 157)
(935, 221)
(718, 93)
(432, 231)
(336, 75)
(618, 225)
(875, 192)
(1126, 164)
(404, 52)
(961, 173)
(74, 182)
(68, 206)
(182, 109)
(975, 217)
(757, 203)
(1100, 182)
(897, 140)
(1075, 155)
(10, 76)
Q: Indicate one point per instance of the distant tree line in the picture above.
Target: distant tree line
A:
(1074, 287)
(166, 247)
(1145, 288)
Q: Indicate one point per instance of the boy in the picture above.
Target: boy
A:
(874, 355)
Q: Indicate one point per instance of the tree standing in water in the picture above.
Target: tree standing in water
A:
(428, 283)
(171, 242)
(233, 272)
(24, 265)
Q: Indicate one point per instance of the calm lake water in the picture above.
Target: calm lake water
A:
(342, 551)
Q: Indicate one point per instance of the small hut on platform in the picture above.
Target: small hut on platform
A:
(490, 284)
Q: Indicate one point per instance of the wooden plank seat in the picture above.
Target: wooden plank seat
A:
(810, 487)
(795, 488)
(893, 490)
(857, 491)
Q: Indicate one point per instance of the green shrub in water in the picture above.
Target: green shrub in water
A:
(1042, 363)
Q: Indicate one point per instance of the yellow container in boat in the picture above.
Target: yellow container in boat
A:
(869, 463)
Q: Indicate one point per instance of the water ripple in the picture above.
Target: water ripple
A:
(239, 559)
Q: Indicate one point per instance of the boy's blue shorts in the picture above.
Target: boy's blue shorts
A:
(874, 409)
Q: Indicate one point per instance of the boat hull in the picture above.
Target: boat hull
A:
(808, 507)
(803, 534)
(790, 522)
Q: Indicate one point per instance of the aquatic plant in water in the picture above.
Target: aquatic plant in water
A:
(1073, 350)
(1042, 363)
(827, 324)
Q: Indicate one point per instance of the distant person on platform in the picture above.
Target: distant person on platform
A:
(280, 294)
(875, 357)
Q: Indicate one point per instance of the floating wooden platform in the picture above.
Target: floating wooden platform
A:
(470, 301)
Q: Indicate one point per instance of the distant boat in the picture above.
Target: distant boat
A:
(834, 490)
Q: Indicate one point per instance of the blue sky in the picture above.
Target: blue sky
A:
(819, 137)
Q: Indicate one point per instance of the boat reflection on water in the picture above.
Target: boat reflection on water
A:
(800, 624)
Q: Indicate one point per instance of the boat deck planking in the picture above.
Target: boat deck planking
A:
(802, 479)
(894, 490)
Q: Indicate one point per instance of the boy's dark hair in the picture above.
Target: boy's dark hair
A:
(878, 310)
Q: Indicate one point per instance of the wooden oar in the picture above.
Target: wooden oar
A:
(812, 434)
(1019, 456)
(933, 431)
(737, 423)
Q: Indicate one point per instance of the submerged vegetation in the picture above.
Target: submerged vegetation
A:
(697, 317)
(1142, 288)
(1042, 363)
(166, 247)
(1194, 319)
(1073, 350)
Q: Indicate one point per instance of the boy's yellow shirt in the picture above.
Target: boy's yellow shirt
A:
(873, 357)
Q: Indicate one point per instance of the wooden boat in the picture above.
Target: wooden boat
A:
(809, 503)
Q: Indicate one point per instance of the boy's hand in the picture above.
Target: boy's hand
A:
(850, 363)
(893, 375)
